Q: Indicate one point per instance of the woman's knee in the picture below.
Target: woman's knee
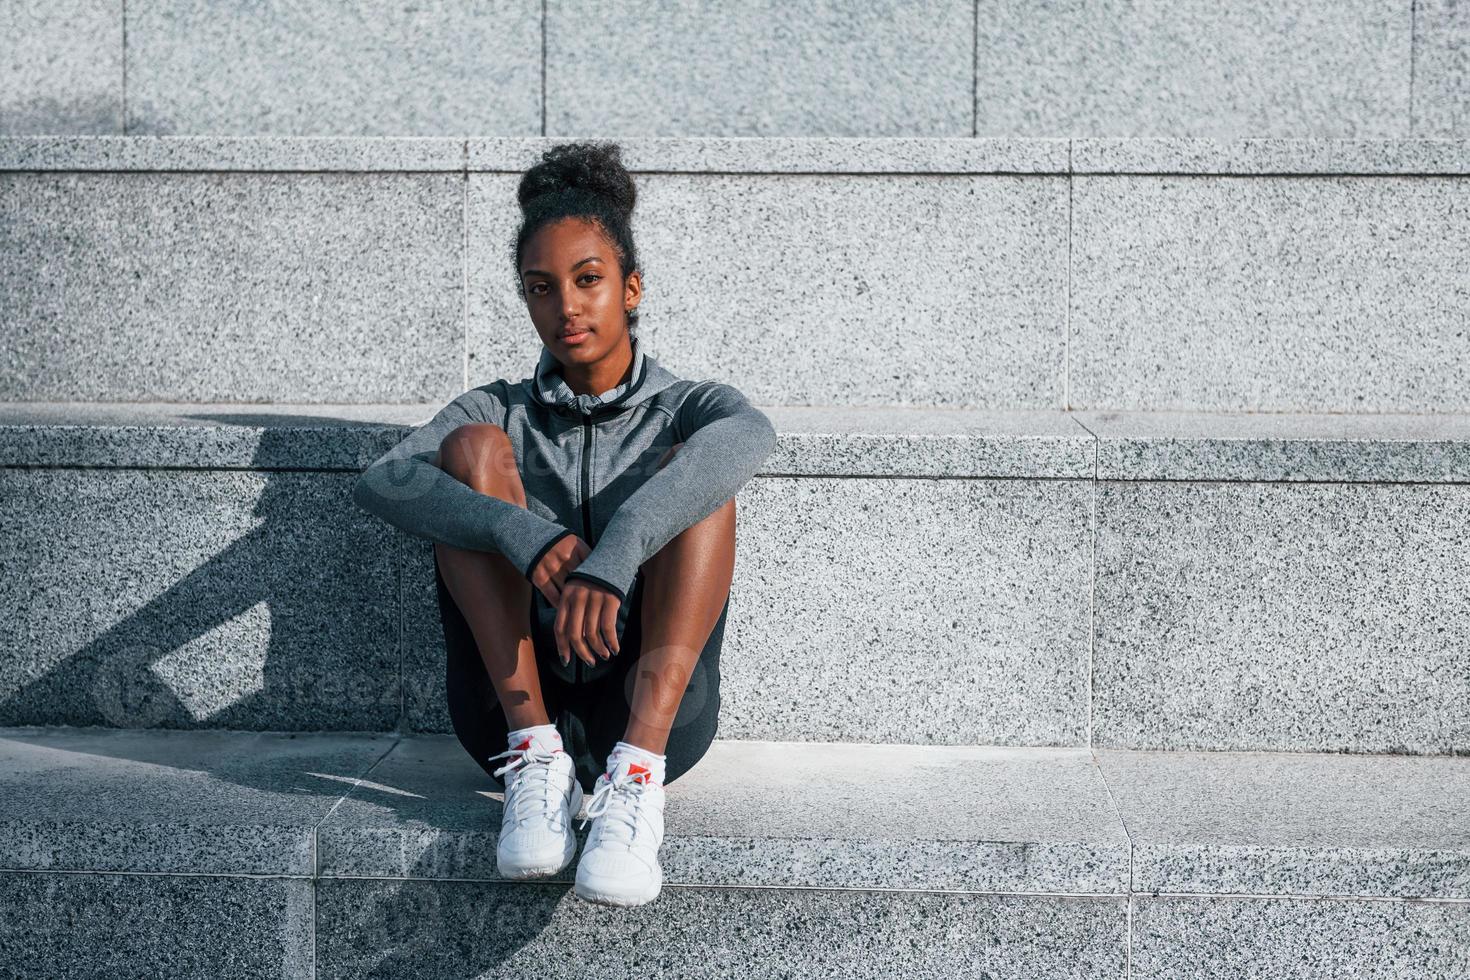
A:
(477, 453)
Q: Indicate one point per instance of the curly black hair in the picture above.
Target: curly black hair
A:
(581, 180)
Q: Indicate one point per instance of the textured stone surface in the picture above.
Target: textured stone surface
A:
(1217, 446)
(434, 929)
(1282, 616)
(202, 436)
(828, 292)
(106, 926)
(1441, 68)
(426, 810)
(748, 155)
(425, 708)
(1270, 294)
(501, 341)
(866, 440)
(781, 154)
(902, 816)
(778, 814)
(1294, 823)
(290, 68)
(1192, 68)
(924, 611)
(248, 154)
(640, 67)
(756, 833)
(848, 440)
(1283, 939)
(1287, 306)
(141, 598)
(218, 287)
(814, 441)
(61, 67)
(59, 674)
(1171, 155)
(192, 802)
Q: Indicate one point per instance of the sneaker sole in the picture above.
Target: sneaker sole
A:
(569, 848)
(602, 896)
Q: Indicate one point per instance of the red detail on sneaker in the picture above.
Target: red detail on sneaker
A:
(525, 744)
(639, 773)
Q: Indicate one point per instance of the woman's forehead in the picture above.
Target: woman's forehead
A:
(566, 243)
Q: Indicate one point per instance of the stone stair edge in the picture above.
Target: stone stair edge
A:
(1043, 820)
(1263, 156)
(832, 440)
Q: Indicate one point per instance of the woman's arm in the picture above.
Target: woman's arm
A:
(406, 489)
(725, 441)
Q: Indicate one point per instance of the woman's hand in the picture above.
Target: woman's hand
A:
(586, 622)
(551, 571)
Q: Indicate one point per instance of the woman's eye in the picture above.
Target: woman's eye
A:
(591, 277)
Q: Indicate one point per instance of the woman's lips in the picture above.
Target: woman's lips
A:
(576, 337)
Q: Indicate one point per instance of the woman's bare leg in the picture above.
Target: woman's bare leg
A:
(490, 592)
(684, 590)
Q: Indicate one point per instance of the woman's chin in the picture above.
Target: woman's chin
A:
(584, 353)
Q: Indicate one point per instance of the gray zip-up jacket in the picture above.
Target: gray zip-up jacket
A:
(589, 465)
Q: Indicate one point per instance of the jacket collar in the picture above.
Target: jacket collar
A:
(550, 388)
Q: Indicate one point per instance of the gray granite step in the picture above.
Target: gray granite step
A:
(372, 854)
(1124, 580)
(1231, 274)
(1278, 67)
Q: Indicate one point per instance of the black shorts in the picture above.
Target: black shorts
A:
(589, 705)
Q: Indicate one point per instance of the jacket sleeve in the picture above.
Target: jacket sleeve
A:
(726, 440)
(406, 489)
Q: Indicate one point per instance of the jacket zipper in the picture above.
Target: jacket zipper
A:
(586, 504)
(587, 479)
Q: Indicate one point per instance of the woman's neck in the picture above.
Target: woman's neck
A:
(605, 375)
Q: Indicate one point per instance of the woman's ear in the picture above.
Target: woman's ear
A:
(632, 290)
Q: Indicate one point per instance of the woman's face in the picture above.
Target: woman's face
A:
(575, 292)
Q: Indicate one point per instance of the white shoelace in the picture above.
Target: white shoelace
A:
(534, 782)
(620, 800)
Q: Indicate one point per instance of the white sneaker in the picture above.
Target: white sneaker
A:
(542, 798)
(619, 865)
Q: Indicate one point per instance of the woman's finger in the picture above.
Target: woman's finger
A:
(593, 621)
(608, 618)
(576, 625)
(559, 631)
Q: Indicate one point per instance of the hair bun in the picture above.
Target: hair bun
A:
(595, 168)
